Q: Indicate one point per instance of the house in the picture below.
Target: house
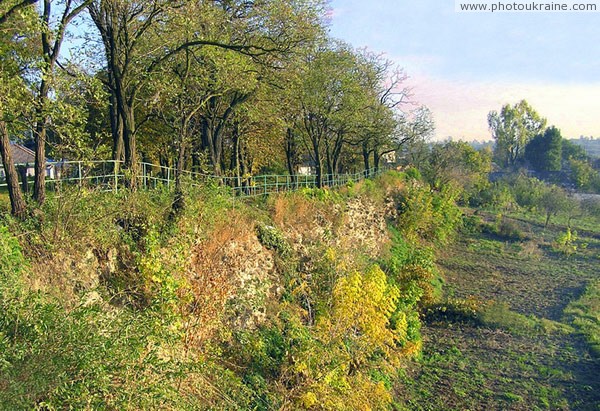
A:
(22, 156)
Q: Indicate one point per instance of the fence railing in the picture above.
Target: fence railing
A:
(108, 175)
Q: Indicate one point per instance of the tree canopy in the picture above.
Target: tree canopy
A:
(512, 128)
(220, 87)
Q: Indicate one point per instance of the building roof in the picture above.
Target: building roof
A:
(21, 154)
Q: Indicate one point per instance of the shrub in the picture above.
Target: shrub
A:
(471, 224)
(566, 243)
(273, 239)
(427, 214)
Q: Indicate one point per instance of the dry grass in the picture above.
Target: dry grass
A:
(293, 210)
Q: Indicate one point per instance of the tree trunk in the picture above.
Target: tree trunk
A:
(236, 159)
(318, 162)
(337, 152)
(329, 159)
(291, 154)
(179, 201)
(17, 202)
(366, 153)
(41, 128)
(116, 126)
(376, 160)
(22, 170)
(129, 144)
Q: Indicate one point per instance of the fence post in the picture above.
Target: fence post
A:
(116, 170)
(265, 184)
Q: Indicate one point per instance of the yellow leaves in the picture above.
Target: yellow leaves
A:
(363, 304)
(308, 400)
(356, 392)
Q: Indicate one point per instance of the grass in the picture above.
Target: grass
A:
(584, 314)
(518, 330)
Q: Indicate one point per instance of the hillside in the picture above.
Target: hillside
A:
(299, 300)
(364, 297)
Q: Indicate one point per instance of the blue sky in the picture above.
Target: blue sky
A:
(462, 65)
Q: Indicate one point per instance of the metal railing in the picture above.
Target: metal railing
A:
(108, 175)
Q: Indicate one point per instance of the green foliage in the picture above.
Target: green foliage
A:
(471, 224)
(84, 357)
(496, 195)
(12, 262)
(512, 129)
(427, 214)
(320, 194)
(273, 239)
(584, 314)
(459, 164)
(455, 310)
(527, 191)
(554, 200)
(571, 150)
(506, 229)
(566, 243)
(544, 151)
(413, 173)
(584, 175)
(413, 268)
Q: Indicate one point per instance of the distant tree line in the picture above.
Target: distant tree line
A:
(522, 139)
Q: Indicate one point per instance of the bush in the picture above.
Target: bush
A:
(471, 224)
(270, 237)
(427, 214)
(505, 229)
(566, 243)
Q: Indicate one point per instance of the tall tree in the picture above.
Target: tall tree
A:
(544, 151)
(512, 129)
(379, 132)
(332, 92)
(140, 36)
(52, 37)
(15, 54)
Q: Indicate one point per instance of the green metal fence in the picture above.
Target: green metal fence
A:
(108, 175)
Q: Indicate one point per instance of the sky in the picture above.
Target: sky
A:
(463, 65)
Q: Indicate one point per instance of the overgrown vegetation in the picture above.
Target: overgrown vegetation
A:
(114, 302)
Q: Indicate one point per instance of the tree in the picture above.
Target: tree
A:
(416, 128)
(512, 129)
(15, 53)
(458, 163)
(381, 129)
(51, 42)
(554, 200)
(571, 150)
(544, 151)
(140, 36)
(327, 90)
(583, 175)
